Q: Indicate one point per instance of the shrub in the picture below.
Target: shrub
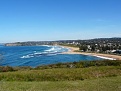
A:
(7, 68)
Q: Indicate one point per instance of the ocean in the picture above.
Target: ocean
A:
(38, 55)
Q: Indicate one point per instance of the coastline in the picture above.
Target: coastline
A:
(103, 56)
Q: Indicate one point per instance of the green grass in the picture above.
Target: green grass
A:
(62, 74)
(76, 76)
(100, 84)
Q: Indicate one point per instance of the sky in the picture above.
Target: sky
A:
(46, 20)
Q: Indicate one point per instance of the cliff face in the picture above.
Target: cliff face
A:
(34, 43)
(13, 44)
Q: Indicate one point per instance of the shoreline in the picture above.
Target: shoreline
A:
(100, 55)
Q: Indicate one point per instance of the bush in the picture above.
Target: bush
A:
(6, 69)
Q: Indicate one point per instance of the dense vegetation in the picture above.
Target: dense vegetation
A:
(81, 64)
(63, 71)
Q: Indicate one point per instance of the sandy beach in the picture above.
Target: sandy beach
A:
(104, 56)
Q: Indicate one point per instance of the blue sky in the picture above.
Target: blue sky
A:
(38, 20)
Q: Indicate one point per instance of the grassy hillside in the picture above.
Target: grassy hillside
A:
(76, 76)
(102, 84)
(62, 74)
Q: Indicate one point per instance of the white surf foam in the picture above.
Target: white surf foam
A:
(27, 56)
(53, 50)
(46, 45)
(105, 57)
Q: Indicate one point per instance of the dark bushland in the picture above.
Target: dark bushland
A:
(80, 64)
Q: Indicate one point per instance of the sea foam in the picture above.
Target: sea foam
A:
(105, 57)
(53, 50)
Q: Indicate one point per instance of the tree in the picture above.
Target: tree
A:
(105, 48)
(92, 48)
(119, 48)
(83, 47)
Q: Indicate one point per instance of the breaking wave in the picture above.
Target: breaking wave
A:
(52, 50)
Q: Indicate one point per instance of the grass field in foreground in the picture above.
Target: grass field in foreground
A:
(82, 76)
(100, 84)
(62, 74)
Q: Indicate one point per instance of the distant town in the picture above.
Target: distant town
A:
(99, 45)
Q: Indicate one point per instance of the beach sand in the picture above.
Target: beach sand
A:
(104, 56)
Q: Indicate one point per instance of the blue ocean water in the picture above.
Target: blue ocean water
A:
(38, 55)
